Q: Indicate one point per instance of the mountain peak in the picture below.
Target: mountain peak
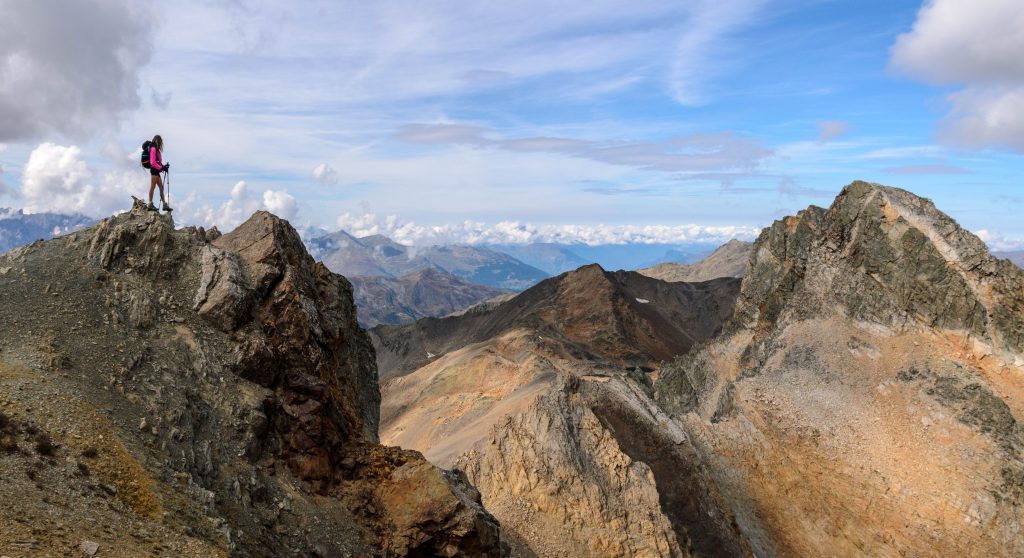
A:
(880, 254)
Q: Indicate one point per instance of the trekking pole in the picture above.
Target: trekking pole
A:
(168, 172)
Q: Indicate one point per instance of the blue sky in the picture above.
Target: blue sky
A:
(600, 121)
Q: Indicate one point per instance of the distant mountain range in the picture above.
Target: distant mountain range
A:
(378, 255)
(729, 260)
(1016, 257)
(427, 292)
(18, 228)
(551, 258)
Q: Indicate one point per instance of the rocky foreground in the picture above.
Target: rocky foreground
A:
(172, 392)
(864, 398)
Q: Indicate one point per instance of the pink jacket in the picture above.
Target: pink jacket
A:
(154, 159)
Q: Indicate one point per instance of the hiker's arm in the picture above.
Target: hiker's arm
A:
(154, 159)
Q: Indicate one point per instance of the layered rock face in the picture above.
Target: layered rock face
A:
(867, 398)
(533, 399)
(218, 397)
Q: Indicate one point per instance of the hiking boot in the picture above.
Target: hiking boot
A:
(151, 207)
(167, 207)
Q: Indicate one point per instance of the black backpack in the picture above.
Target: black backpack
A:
(145, 153)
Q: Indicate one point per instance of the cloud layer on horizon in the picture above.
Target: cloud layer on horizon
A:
(516, 232)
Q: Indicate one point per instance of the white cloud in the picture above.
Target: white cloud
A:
(280, 203)
(228, 215)
(70, 67)
(984, 116)
(237, 208)
(998, 242)
(516, 232)
(978, 45)
(325, 174)
(56, 178)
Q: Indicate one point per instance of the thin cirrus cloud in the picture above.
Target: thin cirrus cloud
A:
(976, 45)
(721, 152)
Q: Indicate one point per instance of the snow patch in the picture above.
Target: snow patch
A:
(642, 300)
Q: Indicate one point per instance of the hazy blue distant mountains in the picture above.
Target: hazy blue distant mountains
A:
(1016, 256)
(378, 255)
(429, 292)
(552, 258)
(559, 258)
(18, 228)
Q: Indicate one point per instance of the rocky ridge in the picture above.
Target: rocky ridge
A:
(544, 400)
(618, 317)
(867, 397)
(218, 398)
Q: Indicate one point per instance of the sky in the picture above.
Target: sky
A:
(599, 121)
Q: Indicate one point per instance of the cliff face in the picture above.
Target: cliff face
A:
(867, 398)
(222, 390)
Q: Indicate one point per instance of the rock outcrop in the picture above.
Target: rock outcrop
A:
(234, 376)
(866, 399)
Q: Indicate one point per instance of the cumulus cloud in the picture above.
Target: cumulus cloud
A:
(56, 178)
(691, 153)
(228, 215)
(280, 203)
(325, 174)
(978, 45)
(983, 117)
(829, 130)
(69, 67)
(517, 232)
(239, 206)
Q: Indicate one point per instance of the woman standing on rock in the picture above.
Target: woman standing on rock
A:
(152, 159)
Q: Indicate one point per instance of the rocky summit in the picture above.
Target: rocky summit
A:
(180, 393)
(867, 398)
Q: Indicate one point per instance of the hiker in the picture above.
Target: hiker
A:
(152, 160)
